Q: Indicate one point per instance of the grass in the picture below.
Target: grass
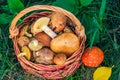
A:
(101, 19)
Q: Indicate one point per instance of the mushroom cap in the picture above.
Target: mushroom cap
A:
(26, 52)
(58, 22)
(23, 30)
(44, 56)
(43, 38)
(23, 41)
(34, 45)
(60, 59)
(37, 26)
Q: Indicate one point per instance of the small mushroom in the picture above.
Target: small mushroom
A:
(58, 22)
(67, 29)
(24, 31)
(44, 56)
(34, 45)
(41, 25)
(60, 59)
(23, 41)
(25, 52)
(43, 38)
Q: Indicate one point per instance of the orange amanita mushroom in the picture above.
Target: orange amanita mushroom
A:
(58, 22)
(93, 57)
(25, 52)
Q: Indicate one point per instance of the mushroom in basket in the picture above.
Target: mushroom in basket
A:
(42, 25)
(58, 22)
(66, 43)
(24, 31)
(43, 38)
(25, 52)
(23, 41)
(34, 45)
(44, 56)
(60, 59)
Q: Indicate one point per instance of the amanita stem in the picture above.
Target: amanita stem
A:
(48, 31)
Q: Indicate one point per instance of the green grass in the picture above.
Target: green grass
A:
(101, 19)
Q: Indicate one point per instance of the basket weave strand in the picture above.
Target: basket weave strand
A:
(48, 71)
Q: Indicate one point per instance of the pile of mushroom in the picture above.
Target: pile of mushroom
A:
(48, 40)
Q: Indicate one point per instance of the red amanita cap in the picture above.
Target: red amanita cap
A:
(92, 57)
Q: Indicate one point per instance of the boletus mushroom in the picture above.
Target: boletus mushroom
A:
(44, 56)
(42, 25)
(23, 41)
(34, 45)
(66, 43)
(58, 22)
(60, 59)
(43, 38)
(25, 52)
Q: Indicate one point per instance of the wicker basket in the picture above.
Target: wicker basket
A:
(48, 71)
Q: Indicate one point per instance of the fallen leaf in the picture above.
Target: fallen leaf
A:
(102, 73)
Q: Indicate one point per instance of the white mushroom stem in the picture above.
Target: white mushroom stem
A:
(28, 34)
(48, 31)
(21, 54)
(35, 42)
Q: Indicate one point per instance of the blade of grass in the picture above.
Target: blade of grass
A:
(102, 9)
(93, 38)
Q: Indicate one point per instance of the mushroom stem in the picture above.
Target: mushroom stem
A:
(48, 31)
(35, 42)
(28, 34)
(21, 54)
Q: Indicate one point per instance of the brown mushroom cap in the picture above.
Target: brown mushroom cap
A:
(60, 59)
(43, 38)
(44, 56)
(58, 22)
(23, 30)
(23, 41)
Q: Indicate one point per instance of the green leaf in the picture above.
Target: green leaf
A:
(102, 73)
(69, 5)
(15, 5)
(85, 2)
(5, 19)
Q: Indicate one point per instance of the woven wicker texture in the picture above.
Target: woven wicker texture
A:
(48, 71)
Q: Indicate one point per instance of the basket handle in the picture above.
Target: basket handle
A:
(14, 30)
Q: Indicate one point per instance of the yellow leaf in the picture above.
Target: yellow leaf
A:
(102, 73)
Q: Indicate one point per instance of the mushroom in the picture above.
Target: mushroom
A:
(24, 31)
(58, 22)
(44, 56)
(25, 52)
(67, 29)
(66, 43)
(41, 25)
(43, 38)
(34, 45)
(60, 59)
(23, 41)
